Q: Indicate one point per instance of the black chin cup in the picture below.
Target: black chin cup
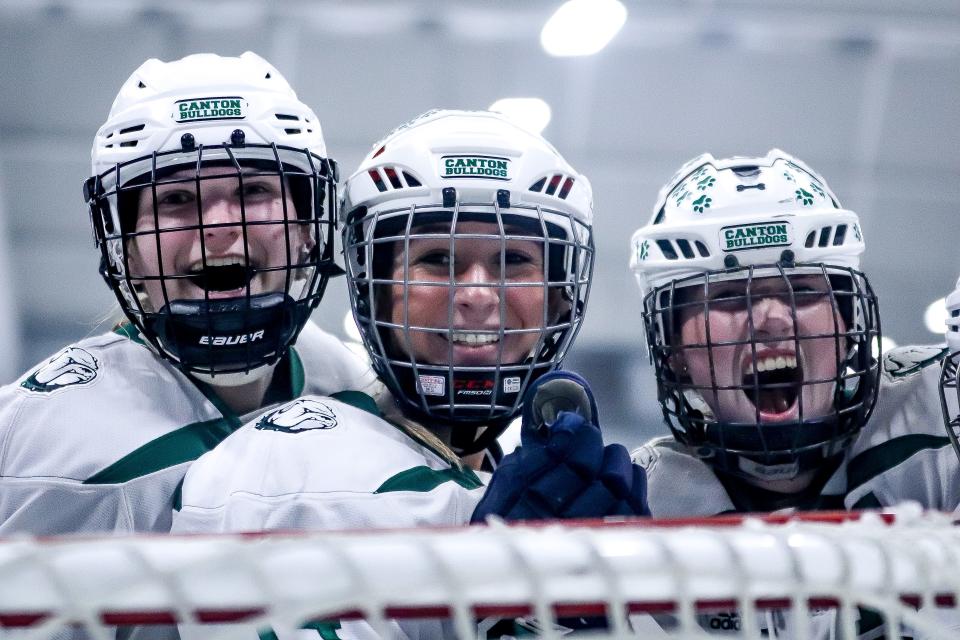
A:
(464, 397)
(806, 445)
(227, 336)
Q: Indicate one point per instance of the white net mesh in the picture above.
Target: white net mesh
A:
(795, 578)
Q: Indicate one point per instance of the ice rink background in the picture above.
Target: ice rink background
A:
(866, 91)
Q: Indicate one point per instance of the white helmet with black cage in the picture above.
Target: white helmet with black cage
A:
(724, 234)
(426, 179)
(187, 126)
(949, 378)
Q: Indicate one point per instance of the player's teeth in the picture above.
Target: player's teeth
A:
(776, 362)
(474, 338)
(218, 262)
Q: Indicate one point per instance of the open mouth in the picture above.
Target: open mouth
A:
(221, 274)
(773, 388)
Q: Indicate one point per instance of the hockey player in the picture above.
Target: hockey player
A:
(212, 202)
(469, 255)
(761, 331)
(765, 389)
(949, 387)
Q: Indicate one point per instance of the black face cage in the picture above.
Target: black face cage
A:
(803, 444)
(218, 335)
(950, 398)
(473, 395)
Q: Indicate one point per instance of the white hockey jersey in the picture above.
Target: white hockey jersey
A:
(324, 463)
(98, 437)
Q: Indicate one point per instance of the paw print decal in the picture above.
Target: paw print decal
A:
(698, 173)
(681, 195)
(788, 176)
(818, 189)
(804, 197)
(856, 232)
(701, 203)
(707, 182)
(644, 250)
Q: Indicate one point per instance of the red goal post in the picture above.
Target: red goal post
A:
(904, 565)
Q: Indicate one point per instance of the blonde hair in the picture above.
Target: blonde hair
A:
(418, 432)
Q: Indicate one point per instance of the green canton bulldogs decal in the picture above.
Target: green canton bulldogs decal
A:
(755, 236)
(72, 366)
(230, 108)
(301, 415)
(475, 167)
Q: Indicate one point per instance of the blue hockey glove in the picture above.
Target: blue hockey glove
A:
(561, 468)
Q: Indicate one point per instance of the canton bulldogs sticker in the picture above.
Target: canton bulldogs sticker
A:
(72, 366)
(196, 109)
(475, 167)
(758, 235)
(301, 415)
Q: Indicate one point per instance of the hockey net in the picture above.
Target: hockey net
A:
(629, 579)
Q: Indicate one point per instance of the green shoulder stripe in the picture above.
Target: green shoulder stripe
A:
(183, 445)
(876, 460)
(127, 330)
(425, 479)
(358, 400)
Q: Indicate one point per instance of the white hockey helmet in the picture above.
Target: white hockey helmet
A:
(744, 218)
(241, 115)
(446, 167)
(949, 383)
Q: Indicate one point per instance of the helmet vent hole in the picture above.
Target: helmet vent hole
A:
(811, 237)
(685, 248)
(747, 171)
(702, 248)
(393, 177)
(129, 143)
(554, 183)
(667, 248)
(140, 85)
(537, 186)
(136, 127)
(377, 180)
(411, 181)
(293, 132)
(565, 189)
(267, 76)
(825, 236)
(286, 116)
(840, 235)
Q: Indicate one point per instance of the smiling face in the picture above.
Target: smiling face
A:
(764, 359)
(229, 255)
(497, 306)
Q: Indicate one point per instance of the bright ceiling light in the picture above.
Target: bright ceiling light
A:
(935, 317)
(532, 114)
(582, 27)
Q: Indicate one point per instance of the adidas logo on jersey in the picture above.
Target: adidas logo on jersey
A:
(226, 341)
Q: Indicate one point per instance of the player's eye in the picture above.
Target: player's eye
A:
(175, 198)
(437, 258)
(257, 188)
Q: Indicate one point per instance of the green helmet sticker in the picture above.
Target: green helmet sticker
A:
(701, 203)
(475, 166)
(706, 183)
(757, 235)
(804, 197)
(197, 109)
(643, 250)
